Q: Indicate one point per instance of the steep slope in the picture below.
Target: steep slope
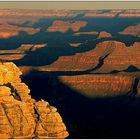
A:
(92, 85)
(122, 57)
(106, 57)
(21, 116)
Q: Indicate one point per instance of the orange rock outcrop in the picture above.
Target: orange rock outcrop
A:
(75, 44)
(11, 57)
(131, 30)
(22, 116)
(36, 13)
(7, 31)
(121, 57)
(92, 85)
(95, 14)
(131, 13)
(64, 26)
(20, 52)
(115, 55)
(86, 33)
(31, 47)
(104, 34)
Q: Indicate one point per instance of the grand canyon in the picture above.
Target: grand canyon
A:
(69, 73)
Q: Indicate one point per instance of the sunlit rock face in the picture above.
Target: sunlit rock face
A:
(77, 62)
(92, 86)
(85, 33)
(106, 57)
(104, 34)
(7, 31)
(22, 116)
(31, 47)
(36, 13)
(121, 57)
(20, 52)
(96, 14)
(75, 44)
(64, 26)
(131, 30)
(130, 13)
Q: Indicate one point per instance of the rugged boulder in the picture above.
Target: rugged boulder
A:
(21, 116)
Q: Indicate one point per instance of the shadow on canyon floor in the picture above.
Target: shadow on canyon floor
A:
(114, 117)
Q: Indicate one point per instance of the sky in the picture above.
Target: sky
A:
(69, 5)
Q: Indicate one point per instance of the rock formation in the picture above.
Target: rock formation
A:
(20, 52)
(105, 58)
(121, 57)
(31, 47)
(95, 14)
(74, 44)
(7, 31)
(36, 13)
(11, 57)
(64, 26)
(92, 85)
(22, 116)
(131, 13)
(131, 30)
(85, 33)
(104, 34)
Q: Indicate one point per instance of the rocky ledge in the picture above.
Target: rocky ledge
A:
(20, 115)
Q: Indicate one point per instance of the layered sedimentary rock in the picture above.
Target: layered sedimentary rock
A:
(131, 13)
(91, 85)
(121, 57)
(31, 47)
(105, 58)
(64, 26)
(37, 13)
(7, 31)
(83, 61)
(85, 33)
(95, 14)
(21, 116)
(104, 34)
(77, 62)
(131, 30)
(11, 57)
(20, 52)
(75, 44)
